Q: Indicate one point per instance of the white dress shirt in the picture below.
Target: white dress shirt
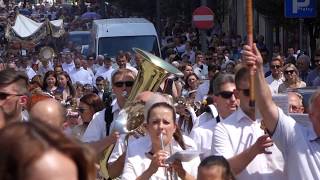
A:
(300, 146)
(202, 136)
(202, 73)
(68, 67)
(81, 75)
(202, 91)
(102, 69)
(137, 161)
(107, 75)
(30, 72)
(274, 83)
(96, 129)
(237, 133)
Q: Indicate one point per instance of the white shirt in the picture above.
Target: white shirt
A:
(191, 55)
(300, 148)
(202, 136)
(30, 72)
(202, 91)
(81, 75)
(274, 83)
(107, 75)
(68, 67)
(102, 69)
(237, 133)
(120, 146)
(96, 129)
(137, 161)
(202, 73)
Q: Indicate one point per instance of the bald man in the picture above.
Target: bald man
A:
(49, 111)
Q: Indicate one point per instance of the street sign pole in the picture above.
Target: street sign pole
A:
(300, 33)
(203, 35)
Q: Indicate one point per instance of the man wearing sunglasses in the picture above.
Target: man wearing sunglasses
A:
(225, 102)
(98, 132)
(13, 94)
(276, 77)
(240, 139)
(300, 144)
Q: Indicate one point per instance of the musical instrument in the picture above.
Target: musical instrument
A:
(152, 72)
(46, 53)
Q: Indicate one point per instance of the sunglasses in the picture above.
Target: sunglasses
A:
(289, 71)
(246, 92)
(4, 95)
(121, 83)
(275, 66)
(81, 110)
(226, 94)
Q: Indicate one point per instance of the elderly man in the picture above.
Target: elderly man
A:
(295, 102)
(300, 145)
(13, 94)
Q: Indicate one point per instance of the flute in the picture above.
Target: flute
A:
(162, 148)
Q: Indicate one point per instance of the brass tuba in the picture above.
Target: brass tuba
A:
(152, 72)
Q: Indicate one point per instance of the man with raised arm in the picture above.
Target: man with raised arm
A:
(299, 145)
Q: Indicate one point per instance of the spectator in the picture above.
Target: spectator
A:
(88, 106)
(292, 80)
(79, 74)
(313, 78)
(303, 64)
(275, 79)
(295, 102)
(50, 82)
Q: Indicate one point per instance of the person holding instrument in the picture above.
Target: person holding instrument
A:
(146, 156)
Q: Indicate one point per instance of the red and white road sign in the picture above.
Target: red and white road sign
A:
(202, 17)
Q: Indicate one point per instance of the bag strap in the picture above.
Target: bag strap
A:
(108, 118)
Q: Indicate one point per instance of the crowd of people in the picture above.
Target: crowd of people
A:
(59, 115)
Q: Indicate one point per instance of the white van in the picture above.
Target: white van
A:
(112, 35)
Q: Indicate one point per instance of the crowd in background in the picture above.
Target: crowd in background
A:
(68, 106)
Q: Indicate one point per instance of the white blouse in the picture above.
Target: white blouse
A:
(137, 161)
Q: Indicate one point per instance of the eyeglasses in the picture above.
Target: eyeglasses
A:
(246, 92)
(275, 66)
(121, 83)
(289, 71)
(99, 84)
(225, 94)
(4, 95)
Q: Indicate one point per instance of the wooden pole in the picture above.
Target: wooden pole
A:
(249, 11)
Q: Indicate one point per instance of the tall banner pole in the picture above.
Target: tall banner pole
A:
(249, 11)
